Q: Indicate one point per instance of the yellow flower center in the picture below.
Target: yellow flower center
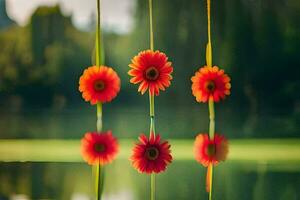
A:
(99, 85)
(152, 74)
(211, 150)
(99, 147)
(152, 153)
(210, 86)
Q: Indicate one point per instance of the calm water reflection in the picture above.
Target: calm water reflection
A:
(183, 181)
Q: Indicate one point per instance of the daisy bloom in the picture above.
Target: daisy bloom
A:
(151, 155)
(152, 70)
(99, 148)
(99, 84)
(209, 151)
(210, 82)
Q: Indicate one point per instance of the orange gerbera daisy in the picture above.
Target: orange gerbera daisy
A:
(210, 82)
(99, 84)
(152, 70)
(210, 151)
(99, 148)
(151, 155)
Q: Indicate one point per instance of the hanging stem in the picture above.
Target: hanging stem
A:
(152, 131)
(99, 117)
(208, 21)
(152, 196)
(211, 180)
(98, 35)
(151, 100)
(209, 46)
(211, 101)
(152, 114)
(151, 96)
(99, 181)
(211, 118)
(211, 136)
(151, 26)
(99, 169)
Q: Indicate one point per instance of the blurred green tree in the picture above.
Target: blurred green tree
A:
(47, 27)
(44, 59)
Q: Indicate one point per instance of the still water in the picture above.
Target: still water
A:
(71, 179)
(184, 180)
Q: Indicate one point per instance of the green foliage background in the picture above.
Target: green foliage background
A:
(255, 42)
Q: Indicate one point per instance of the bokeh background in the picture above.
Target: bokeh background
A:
(46, 44)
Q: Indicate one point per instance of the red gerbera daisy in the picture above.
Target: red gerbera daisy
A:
(210, 82)
(99, 84)
(210, 151)
(152, 70)
(99, 148)
(151, 155)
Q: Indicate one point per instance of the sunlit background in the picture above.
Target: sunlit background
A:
(46, 44)
(118, 14)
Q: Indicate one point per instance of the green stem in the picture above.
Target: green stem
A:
(99, 181)
(211, 181)
(99, 117)
(209, 46)
(152, 189)
(152, 130)
(211, 101)
(152, 114)
(151, 25)
(151, 100)
(211, 118)
(208, 21)
(98, 35)
(211, 136)
(99, 169)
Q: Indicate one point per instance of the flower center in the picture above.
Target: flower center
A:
(152, 153)
(211, 150)
(99, 148)
(152, 73)
(210, 86)
(99, 85)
